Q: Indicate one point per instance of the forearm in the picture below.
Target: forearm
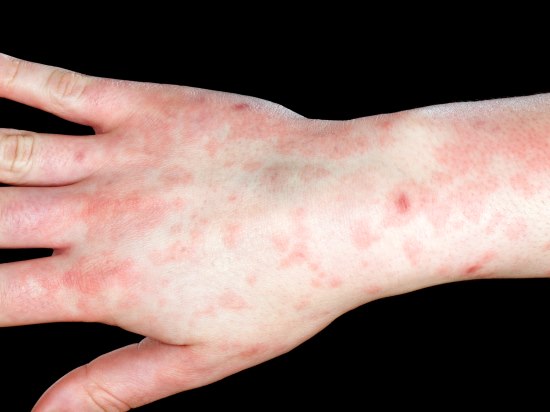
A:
(453, 192)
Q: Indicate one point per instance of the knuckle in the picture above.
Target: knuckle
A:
(64, 84)
(102, 398)
(16, 154)
(13, 72)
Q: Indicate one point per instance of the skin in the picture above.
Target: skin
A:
(227, 230)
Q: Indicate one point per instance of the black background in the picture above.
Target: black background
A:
(468, 343)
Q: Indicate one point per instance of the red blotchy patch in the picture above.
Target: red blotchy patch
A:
(399, 208)
(79, 156)
(362, 237)
(280, 242)
(373, 289)
(176, 176)
(519, 143)
(494, 222)
(116, 216)
(231, 235)
(209, 311)
(335, 144)
(324, 280)
(90, 277)
(275, 178)
(476, 269)
(302, 304)
(232, 301)
(516, 230)
(402, 203)
(298, 256)
(311, 173)
(316, 283)
(176, 252)
(252, 166)
(412, 250)
(335, 282)
(319, 140)
(251, 280)
(176, 229)
(240, 107)
(212, 147)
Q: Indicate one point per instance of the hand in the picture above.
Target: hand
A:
(198, 219)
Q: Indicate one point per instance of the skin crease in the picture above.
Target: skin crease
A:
(193, 214)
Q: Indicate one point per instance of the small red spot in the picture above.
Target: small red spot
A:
(176, 252)
(412, 250)
(241, 106)
(335, 282)
(516, 230)
(373, 289)
(494, 222)
(311, 173)
(253, 351)
(474, 268)
(302, 304)
(402, 203)
(232, 301)
(362, 237)
(251, 280)
(89, 277)
(316, 283)
(252, 166)
(80, 156)
(297, 256)
(231, 235)
(212, 147)
(176, 229)
(176, 176)
(280, 242)
(125, 214)
(314, 267)
(477, 268)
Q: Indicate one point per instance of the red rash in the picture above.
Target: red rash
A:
(251, 280)
(296, 252)
(252, 166)
(231, 235)
(240, 107)
(90, 279)
(481, 143)
(131, 212)
(516, 230)
(232, 301)
(293, 139)
(477, 267)
(174, 253)
(297, 256)
(362, 237)
(402, 203)
(412, 250)
(174, 176)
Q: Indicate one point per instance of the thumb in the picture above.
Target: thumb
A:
(133, 376)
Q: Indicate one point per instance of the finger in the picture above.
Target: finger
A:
(133, 376)
(82, 99)
(31, 292)
(37, 159)
(37, 218)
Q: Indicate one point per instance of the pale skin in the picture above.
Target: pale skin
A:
(227, 230)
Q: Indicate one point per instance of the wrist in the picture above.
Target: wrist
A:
(443, 194)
